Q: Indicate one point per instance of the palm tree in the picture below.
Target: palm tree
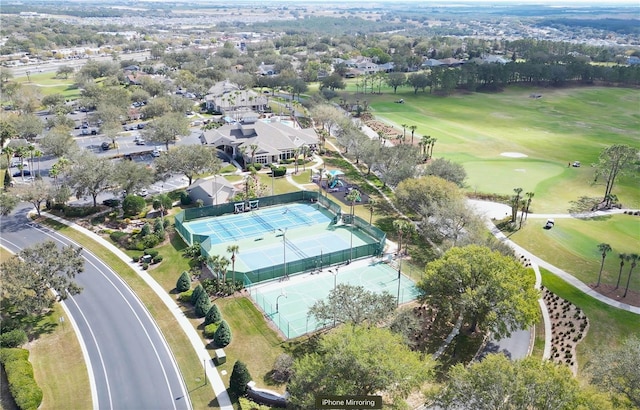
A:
(413, 129)
(623, 257)
(381, 137)
(404, 132)
(634, 259)
(253, 148)
(424, 143)
(8, 151)
(604, 248)
(515, 204)
(38, 154)
(223, 266)
(305, 152)
(433, 143)
(372, 207)
(296, 152)
(402, 227)
(529, 196)
(233, 250)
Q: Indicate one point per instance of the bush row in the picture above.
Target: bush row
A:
(23, 387)
(13, 338)
(76, 211)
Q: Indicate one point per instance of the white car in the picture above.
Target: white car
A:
(156, 151)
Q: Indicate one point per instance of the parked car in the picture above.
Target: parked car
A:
(156, 151)
(143, 192)
(24, 172)
(139, 141)
(105, 146)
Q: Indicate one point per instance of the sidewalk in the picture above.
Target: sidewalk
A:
(204, 356)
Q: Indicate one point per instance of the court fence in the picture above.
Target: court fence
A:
(289, 328)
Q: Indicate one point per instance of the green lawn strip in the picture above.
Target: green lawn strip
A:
(608, 325)
(538, 342)
(187, 360)
(572, 245)
(58, 363)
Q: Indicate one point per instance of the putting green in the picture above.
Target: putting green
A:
(502, 175)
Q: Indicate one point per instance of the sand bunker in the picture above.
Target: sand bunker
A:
(513, 154)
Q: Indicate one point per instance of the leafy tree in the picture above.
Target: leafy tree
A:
(395, 80)
(133, 204)
(64, 71)
(132, 176)
(358, 361)
(91, 175)
(239, 378)
(8, 202)
(282, 368)
(448, 170)
(189, 160)
(616, 369)
(28, 277)
(354, 305)
(53, 101)
(36, 193)
(332, 82)
(419, 81)
(395, 164)
(488, 290)
(184, 282)
(202, 305)
(213, 315)
(419, 196)
(615, 160)
(222, 338)
(496, 382)
(162, 203)
(167, 128)
(58, 142)
(28, 126)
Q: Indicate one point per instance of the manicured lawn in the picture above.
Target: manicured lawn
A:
(48, 84)
(572, 245)
(608, 326)
(565, 125)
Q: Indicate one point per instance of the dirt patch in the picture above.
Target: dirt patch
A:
(610, 291)
(387, 130)
(569, 326)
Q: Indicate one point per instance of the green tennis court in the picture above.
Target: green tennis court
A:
(294, 297)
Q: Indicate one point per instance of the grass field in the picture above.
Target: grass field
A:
(565, 125)
(572, 245)
(48, 84)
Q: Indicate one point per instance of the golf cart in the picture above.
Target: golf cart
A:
(550, 223)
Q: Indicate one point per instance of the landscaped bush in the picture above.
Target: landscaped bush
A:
(157, 259)
(185, 296)
(202, 305)
(133, 205)
(146, 230)
(199, 290)
(248, 404)
(222, 338)
(117, 235)
(79, 211)
(184, 282)
(213, 315)
(282, 368)
(210, 330)
(151, 252)
(22, 385)
(145, 266)
(239, 378)
(13, 338)
(185, 199)
(257, 166)
(136, 258)
(279, 171)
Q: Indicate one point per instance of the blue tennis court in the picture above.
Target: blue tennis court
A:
(253, 223)
(286, 303)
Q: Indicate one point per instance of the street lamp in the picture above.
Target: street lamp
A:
(284, 250)
(278, 299)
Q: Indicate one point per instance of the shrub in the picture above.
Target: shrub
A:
(282, 368)
(146, 230)
(213, 315)
(185, 199)
(13, 338)
(239, 377)
(115, 236)
(222, 338)
(210, 330)
(199, 290)
(279, 171)
(257, 166)
(185, 296)
(136, 258)
(133, 205)
(184, 282)
(157, 259)
(151, 252)
(202, 305)
(145, 266)
(22, 385)
(79, 211)
(248, 404)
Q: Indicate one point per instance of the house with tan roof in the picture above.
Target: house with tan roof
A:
(272, 139)
(226, 96)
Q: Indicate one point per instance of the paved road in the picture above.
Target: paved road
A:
(129, 362)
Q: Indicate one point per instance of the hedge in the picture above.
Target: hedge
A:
(23, 387)
(248, 404)
(13, 338)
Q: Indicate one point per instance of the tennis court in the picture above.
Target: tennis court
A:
(253, 223)
(286, 303)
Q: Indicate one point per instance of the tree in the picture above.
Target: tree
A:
(8, 202)
(222, 337)
(418, 196)
(419, 81)
(448, 170)
(395, 80)
(167, 128)
(354, 305)
(53, 101)
(91, 175)
(515, 204)
(189, 160)
(332, 82)
(604, 248)
(28, 126)
(233, 250)
(615, 160)
(202, 305)
(213, 315)
(132, 176)
(195, 295)
(64, 71)
(239, 379)
(413, 129)
(489, 291)
(496, 382)
(184, 282)
(58, 142)
(28, 277)
(623, 257)
(162, 203)
(133, 204)
(634, 259)
(358, 361)
(36, 193)
(395, 164)
(616, 369)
